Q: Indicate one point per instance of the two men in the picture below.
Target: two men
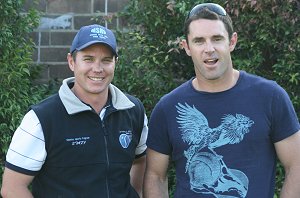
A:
(224, 128)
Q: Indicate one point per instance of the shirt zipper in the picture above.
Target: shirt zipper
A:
(107, 157)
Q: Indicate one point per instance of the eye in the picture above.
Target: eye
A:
(107, 60)
(88, 59)
(199, 41)
(218, 38)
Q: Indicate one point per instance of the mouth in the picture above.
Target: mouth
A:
(211, 61)
(97, 79)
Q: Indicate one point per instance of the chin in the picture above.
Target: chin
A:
(97, 91)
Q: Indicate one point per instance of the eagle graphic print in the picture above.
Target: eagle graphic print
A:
(207, 171)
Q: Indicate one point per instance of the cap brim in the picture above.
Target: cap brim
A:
(95, 42)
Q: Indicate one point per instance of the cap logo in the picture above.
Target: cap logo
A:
(98, 33)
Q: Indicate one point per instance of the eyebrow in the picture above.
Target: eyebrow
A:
(218, 35)
(105, 57)
(213, 36)
(197, 39)
(87, 56)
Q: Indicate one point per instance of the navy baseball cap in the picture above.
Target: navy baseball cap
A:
(91, 34)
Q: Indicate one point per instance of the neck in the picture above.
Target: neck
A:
(96, 101)
(218, 85)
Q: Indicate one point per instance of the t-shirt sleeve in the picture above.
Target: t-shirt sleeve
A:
(158, 137)
(26, 153)
(141, 148)
(285, 121)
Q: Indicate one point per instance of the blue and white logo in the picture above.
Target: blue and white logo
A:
(98, 33)
(125, 140)
(98, 30)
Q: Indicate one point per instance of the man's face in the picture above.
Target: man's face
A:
(209, 47)
(93, 70)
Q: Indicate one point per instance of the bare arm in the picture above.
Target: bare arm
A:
(137, 174)
(15, 185)
(288, 152)
(155, 179)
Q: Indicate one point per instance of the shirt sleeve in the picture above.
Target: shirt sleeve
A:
(141, 148)
(26, 153)
(285, 121)
(158, 137)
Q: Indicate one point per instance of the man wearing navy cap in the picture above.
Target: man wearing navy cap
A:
(87, 140)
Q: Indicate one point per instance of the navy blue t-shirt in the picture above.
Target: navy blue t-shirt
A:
(223, 143)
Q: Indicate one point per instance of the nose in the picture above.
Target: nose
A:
(208, 47)
(97, 67)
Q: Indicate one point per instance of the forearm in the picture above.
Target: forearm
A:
(155, 187)
(137, 174)
(16, 193)
(291, 184)
(15, 185)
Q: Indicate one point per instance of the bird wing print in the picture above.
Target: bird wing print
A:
(194, 128)
(193, 124)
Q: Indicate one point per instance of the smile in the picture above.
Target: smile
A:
(96, 78)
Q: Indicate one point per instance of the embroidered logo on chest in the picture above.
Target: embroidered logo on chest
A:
(125, 138)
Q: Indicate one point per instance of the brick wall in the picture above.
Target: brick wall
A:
(59, 23)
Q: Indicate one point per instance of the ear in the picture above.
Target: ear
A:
(70, 61)
(186, 47)
(233, 41)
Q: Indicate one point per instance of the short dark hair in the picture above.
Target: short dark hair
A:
(208, 14)
(74, 53)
